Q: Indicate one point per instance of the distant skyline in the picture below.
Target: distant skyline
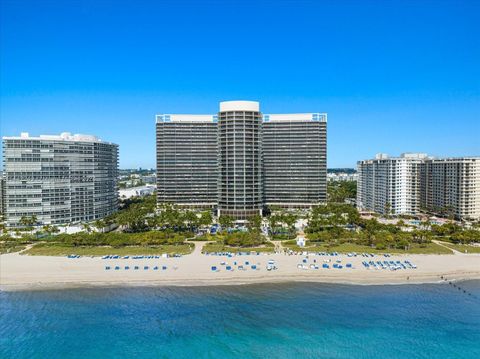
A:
(393, 76)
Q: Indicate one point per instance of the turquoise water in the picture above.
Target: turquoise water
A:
(257, 321)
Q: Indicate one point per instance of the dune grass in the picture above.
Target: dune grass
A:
(10, 247)
(464, 248)
(53, 249)
(220, 247)
(429, 248)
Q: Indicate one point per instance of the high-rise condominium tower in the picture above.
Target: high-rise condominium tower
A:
(451, 187)
(415, 183)
(187, 170)
(239, 160)
(295, 159)
(390, 185)
(59, 179)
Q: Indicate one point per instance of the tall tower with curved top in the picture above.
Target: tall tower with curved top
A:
(240, 192)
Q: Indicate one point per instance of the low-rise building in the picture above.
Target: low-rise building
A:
(141, 191)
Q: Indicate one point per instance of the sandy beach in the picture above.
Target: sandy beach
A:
(22, 272)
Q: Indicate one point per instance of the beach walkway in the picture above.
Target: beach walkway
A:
(440, 243)
(198, 247)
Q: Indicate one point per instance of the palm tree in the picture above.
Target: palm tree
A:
(206, 218)
(99, 225)
(86, 227)
(255, 222)
(49, 229)
(28, 222)
(225, 221)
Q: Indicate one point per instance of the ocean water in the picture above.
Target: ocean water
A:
(304, 320)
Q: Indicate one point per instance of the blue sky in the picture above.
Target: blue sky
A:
(393, 76)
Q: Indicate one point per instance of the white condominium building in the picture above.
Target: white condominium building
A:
(59, 179)
(2, 195)
(390, 185)
(415, 183)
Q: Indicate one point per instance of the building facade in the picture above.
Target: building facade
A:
(187, 170)
(240, 189)
(2, 197)
(295, 159)
(451, 187)
(59, 179)
(239, 160)
(415, 183)
(390, 185)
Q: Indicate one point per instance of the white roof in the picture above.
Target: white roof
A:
(239, 106)
(295, 117)
(64, 136)
(185, 118)
(243, 106)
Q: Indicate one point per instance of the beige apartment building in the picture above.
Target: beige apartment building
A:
(451, 187)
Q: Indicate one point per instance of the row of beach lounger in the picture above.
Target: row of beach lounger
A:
(73, 256)
(141, 257)
(304, 266)
(271, 265)
(391, 265)
(335, 254)
(231, 254)
(138, 267)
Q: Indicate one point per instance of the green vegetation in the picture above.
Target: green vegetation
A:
(239, 242)
(96, 243)
(244, 239)
(463, 248)
(10, 247)
(267, 247)
(140, 215)
(284, 236)
(336, 225)
(339, 191)
(58, 249)
(226, 221)
(428, 248)
(282, 224)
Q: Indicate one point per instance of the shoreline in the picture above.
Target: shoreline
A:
(29, 273)
(25, 287)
